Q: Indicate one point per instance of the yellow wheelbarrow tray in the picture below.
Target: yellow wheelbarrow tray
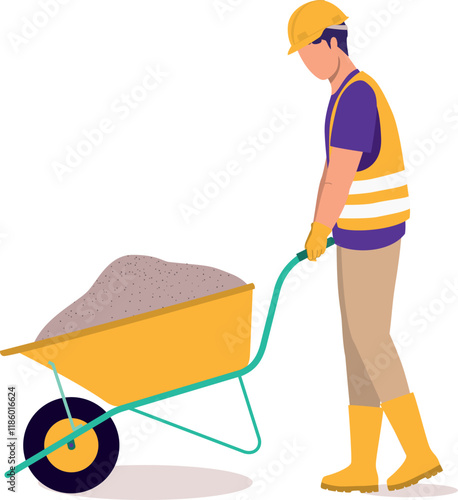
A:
(111, 358)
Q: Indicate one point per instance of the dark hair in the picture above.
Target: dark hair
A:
(340, 35)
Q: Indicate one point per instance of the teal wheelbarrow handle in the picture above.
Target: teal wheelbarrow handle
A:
(303, 255)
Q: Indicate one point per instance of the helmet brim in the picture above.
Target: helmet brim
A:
(305, 41)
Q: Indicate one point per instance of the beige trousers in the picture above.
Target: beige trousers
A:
(366, 280)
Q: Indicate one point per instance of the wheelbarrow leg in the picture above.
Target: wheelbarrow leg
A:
(209, 438)
(253, 420)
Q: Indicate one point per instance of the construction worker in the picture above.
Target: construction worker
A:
(364, 201)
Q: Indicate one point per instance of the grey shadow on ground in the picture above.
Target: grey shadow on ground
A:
(166, 482)
(416, 491)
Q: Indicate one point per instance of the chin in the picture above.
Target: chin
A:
(321, 76)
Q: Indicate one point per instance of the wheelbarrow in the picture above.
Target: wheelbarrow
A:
(71, 444)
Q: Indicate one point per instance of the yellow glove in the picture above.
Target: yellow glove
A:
(317, 240)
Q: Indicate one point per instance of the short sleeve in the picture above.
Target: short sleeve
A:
(355, 118)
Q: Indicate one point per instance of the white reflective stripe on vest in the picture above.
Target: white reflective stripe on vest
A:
(378, 209)
(378, 184)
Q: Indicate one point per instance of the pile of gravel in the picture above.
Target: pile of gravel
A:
(135, 284)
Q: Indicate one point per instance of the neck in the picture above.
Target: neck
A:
(344, 68)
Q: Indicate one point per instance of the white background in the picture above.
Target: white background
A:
(227, 73)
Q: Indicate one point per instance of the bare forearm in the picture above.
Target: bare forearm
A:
(332, 196)
(337, 182)
(320, 191)
(331, 204)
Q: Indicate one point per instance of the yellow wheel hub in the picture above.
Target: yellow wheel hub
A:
(84, 453)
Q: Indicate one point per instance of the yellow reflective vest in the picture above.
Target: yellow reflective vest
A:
(378, 196)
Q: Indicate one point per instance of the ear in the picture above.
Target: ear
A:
(334, 43)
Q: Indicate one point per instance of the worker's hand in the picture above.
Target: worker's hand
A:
(317, 240)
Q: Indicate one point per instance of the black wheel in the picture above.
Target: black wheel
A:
(93, 456)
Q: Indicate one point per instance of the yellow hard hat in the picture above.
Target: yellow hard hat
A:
(309, 21)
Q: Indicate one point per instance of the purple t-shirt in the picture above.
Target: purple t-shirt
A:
(357, 127)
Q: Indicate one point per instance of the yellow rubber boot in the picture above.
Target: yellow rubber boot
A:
(361, 474)
(420, 462)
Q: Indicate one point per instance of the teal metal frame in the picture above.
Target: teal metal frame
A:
(133, 406)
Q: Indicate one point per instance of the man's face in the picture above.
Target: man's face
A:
(321, 59)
